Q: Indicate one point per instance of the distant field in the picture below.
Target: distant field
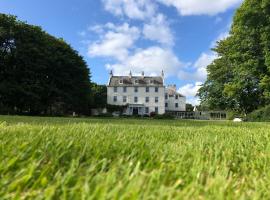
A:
(64, 158)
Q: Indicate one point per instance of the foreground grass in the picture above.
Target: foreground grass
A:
(62, 158)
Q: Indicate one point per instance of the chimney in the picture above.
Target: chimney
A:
(142, 74)
(162, 75)
(130, 74)
(111, 73)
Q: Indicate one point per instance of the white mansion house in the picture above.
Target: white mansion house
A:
(144, 94)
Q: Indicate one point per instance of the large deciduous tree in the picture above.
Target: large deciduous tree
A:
(239, 79)
(40, 74)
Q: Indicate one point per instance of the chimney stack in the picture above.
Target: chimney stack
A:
(142, 74)
(162, 75)
(130, 74)
(111, 73)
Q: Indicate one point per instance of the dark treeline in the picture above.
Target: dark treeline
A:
(239, 79)
(40, 74)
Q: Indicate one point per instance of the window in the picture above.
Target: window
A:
(151, 82)
(156, 110)
(146, 99)
(135, 99)
(124, 99)
(176, 105)
(136, 89)
(115, 98)
(121, 81)
(146, 110)
(176, 96)
(147, 89)
(115, 89)
(156, 89)
(166, 105)
(156, 99)
(124, 89)
(166, 96)
(136, 81)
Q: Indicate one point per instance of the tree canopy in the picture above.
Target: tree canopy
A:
(40, 74)
(99, 94)
(239, 79)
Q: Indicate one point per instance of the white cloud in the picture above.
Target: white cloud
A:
(133, 9)
(201, 7)
(204, 60)
(197, 71)
(119, 44)
(151, 60)
(220, 37)
(190, 91)
(114, 43)
(158, 30)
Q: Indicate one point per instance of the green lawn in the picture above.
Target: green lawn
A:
(64, 158)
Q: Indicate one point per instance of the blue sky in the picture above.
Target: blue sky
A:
(139, 35)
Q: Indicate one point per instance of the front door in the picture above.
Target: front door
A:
(135, 111)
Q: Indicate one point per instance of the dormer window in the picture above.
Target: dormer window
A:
(136, 81)
(121, 81)
(151, 81)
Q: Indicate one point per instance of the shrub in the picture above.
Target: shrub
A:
(234, 114)
(262, 114)
(104, 115)
(115, 108)
(164, 116)
(153, 114)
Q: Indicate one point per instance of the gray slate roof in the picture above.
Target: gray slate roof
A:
(141, 81)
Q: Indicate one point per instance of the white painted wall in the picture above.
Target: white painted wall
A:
(141, 94)
(171, 103)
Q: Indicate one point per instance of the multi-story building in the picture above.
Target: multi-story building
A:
(141, 95)
(174, 101)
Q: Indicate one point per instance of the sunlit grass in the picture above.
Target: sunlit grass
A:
(64, 158)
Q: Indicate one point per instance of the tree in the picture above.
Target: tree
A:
(239, 78)
(39, 73)
(99, 93)
(189, 107)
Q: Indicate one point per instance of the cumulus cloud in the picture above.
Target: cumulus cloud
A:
(133, 9)
(158, 30)
(151, 60)
(220, 37)
(201, 7)
(197, 71)
(118, 42)
(190, 90)
(115, 42)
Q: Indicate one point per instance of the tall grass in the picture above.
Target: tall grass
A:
(62, 158)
